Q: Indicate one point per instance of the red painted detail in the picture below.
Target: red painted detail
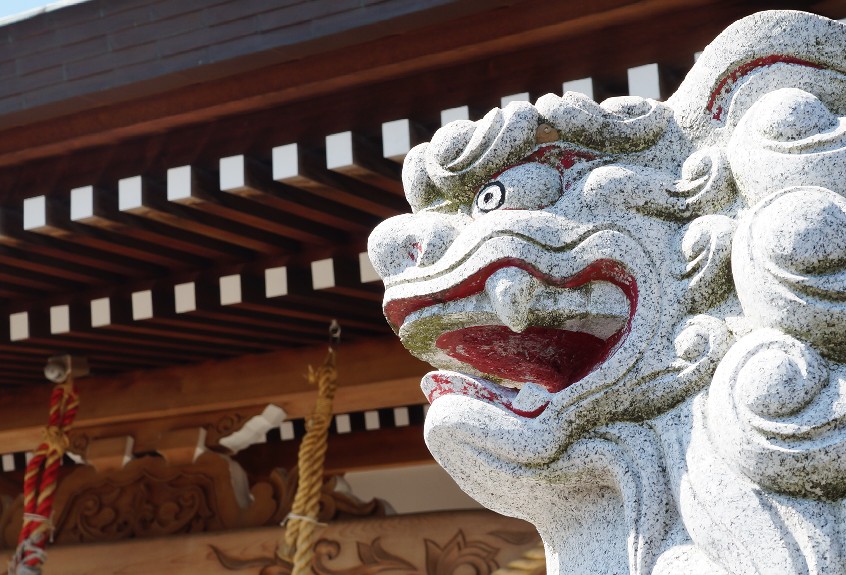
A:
(445, 385)
(415, 252)
(601, 270)
(553, 358)
(559, 158)
(729, 79)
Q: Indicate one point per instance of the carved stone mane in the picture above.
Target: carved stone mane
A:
(637, 310)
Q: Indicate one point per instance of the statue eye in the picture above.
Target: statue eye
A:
(490, 197)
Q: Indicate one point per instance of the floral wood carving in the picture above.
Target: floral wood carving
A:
(149, 498)
(374, 559)
(457, 555)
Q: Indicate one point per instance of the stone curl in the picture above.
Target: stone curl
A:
(446, 172)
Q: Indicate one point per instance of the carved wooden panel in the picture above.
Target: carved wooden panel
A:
(149, 498)
(474, 542)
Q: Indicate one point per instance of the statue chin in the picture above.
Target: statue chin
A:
(636, 311)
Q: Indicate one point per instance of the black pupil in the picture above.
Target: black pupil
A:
(490, 197)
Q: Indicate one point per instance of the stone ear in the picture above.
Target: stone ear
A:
(706, 268)
(706, 185)
(789, 265)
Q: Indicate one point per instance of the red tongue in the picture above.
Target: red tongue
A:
(553, 358)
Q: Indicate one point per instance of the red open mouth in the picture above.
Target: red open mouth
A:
(552, 358)
(547, 356)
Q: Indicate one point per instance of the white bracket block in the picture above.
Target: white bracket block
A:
(82, 203)
(286, 431)
(396, 139)
(322, 274)
(129, 193)
(371, 420)
(366, 269)
(582, 85)
(275, 282)
(230, 289)
(34, 213)
(179, 183)
(142, 305)
(401, 418)
(339, 150)
(521, 97)
(185, 297)
(19, 326)
(101, 312)
(644, 81)
(343, 423)
(232, 173)
(453, 114)
(60, 319)
(286, 162)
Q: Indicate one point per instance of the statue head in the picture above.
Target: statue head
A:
(584, 274)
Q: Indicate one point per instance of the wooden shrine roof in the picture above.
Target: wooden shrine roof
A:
(187, 187)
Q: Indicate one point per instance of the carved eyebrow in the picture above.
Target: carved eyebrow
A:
(562, 159)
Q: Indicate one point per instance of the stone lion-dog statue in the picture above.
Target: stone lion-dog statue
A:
(637, 311)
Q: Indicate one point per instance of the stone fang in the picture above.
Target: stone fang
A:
(530, 398)
(510, 291)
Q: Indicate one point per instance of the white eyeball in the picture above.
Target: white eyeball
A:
(490, 197)
(529, 186)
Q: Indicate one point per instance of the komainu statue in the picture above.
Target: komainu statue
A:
(637, 310)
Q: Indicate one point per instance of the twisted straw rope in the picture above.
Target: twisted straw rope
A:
(40, 481)
(302, 521)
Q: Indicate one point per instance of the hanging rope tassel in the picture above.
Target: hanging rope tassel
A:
(40, 481)
(302, 522)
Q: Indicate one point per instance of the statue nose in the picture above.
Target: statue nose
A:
(412, 240)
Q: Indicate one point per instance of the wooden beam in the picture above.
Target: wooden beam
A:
(358, 157)
(355, 451)
(304, 169)
(196, 189)
(246, 177)
(373, 374)
(152, 202)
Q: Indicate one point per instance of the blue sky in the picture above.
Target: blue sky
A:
(12, 7)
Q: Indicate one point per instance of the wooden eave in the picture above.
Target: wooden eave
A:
(330, 72)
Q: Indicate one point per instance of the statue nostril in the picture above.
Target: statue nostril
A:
(411, 240)
(415, 251)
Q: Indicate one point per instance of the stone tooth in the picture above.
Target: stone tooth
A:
(561, 301)
(606, 299)
(510, 291)
(608, 310)
(530, 397)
